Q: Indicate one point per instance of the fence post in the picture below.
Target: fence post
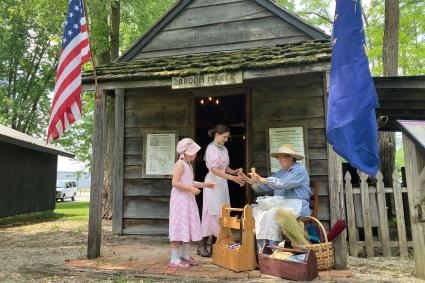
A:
(367, 225)
(415, 161)
(401, 227)
(383, 215)
(351, 218)
(337, 209)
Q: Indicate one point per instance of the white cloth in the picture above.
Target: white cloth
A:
(265, 225)
(215, 198)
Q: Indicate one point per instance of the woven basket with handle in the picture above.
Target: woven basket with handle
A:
(323, 251)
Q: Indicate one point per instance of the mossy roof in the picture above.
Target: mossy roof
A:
(279, 56)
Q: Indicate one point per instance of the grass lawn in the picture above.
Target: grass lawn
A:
(64, 211)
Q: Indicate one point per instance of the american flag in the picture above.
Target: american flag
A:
(66, 106)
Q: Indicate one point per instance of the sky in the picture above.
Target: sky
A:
(66, 164)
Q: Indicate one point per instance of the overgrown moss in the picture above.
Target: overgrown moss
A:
(279, 56)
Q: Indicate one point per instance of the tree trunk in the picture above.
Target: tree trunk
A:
(109, 160)
(110, 115)
(390, 64)
(115, 29)
(391, 38)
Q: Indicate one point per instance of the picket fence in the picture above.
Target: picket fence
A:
(370, 204)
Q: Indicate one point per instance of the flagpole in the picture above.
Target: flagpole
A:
(96, 187)
(97, 96)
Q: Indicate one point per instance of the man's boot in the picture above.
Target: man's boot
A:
(202, 248)
(213, 240)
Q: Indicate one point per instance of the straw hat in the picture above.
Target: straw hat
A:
(286, 149)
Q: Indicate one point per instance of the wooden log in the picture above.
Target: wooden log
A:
(415, 160)
(351, 217)
(146, 207)
(336, 209)
(222, 34)
(401, 227)
(145, 227)
(367, 223)
(383, 218)
(118, 163)
(95, 212)
(147, 187)
(204, 3)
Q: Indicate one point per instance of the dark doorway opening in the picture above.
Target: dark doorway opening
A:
(230, 111)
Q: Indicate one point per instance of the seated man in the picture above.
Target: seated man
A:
(291, 181)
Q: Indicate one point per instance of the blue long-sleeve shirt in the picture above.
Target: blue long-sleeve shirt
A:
(293, 183)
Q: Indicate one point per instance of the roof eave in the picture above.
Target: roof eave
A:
(36, 147)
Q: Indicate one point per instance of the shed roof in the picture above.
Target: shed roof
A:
(415, 130)
(400, 98)
(12, 136)
(280, 56)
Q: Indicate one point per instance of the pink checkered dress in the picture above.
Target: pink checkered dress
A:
(185, 224)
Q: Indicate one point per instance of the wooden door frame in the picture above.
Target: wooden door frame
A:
(216, 92)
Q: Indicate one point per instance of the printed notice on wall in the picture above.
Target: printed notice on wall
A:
(288, 135)
(160, 154)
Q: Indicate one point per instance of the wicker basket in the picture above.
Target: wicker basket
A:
(323, 251)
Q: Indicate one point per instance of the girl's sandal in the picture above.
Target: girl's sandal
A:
(191, 261)
(181, 264)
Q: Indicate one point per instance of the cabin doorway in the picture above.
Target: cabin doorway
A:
(229, 110)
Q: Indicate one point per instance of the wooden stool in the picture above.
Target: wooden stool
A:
(243, 257)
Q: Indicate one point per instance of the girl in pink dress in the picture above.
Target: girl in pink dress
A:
(217, 161)
(185, 225)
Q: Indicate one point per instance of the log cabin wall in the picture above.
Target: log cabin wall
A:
(293, 101)
(146, 201)
(221, 25)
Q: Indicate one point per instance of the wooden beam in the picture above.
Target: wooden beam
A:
(278, 72)
(337, 207)
(414, 160)
(128, 84)
(336, 189)
(95, 213)
(247, 75)
(118, 173)
(399, 82)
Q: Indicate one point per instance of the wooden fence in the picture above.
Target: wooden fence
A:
(370, 204)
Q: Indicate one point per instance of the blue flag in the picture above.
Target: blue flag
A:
(351, 122)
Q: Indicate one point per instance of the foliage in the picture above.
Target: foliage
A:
(287, 4)
(137, 16)
(64, 211)
(399, 159)
(412, 36)
(78, 138)
(30, 32)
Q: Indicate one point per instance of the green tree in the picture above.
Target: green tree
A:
(30, 33)
(111, 23)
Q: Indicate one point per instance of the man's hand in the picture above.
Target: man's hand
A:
(257, 178)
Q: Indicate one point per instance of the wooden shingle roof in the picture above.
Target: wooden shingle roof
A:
(280, 56)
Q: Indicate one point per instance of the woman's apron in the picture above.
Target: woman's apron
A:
(215, 198)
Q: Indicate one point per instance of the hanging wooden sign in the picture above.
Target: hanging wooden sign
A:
(207, 80)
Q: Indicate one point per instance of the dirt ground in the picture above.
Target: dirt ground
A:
(39, 253)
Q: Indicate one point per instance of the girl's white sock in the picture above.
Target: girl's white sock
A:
(175, 256)
(185, 251)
